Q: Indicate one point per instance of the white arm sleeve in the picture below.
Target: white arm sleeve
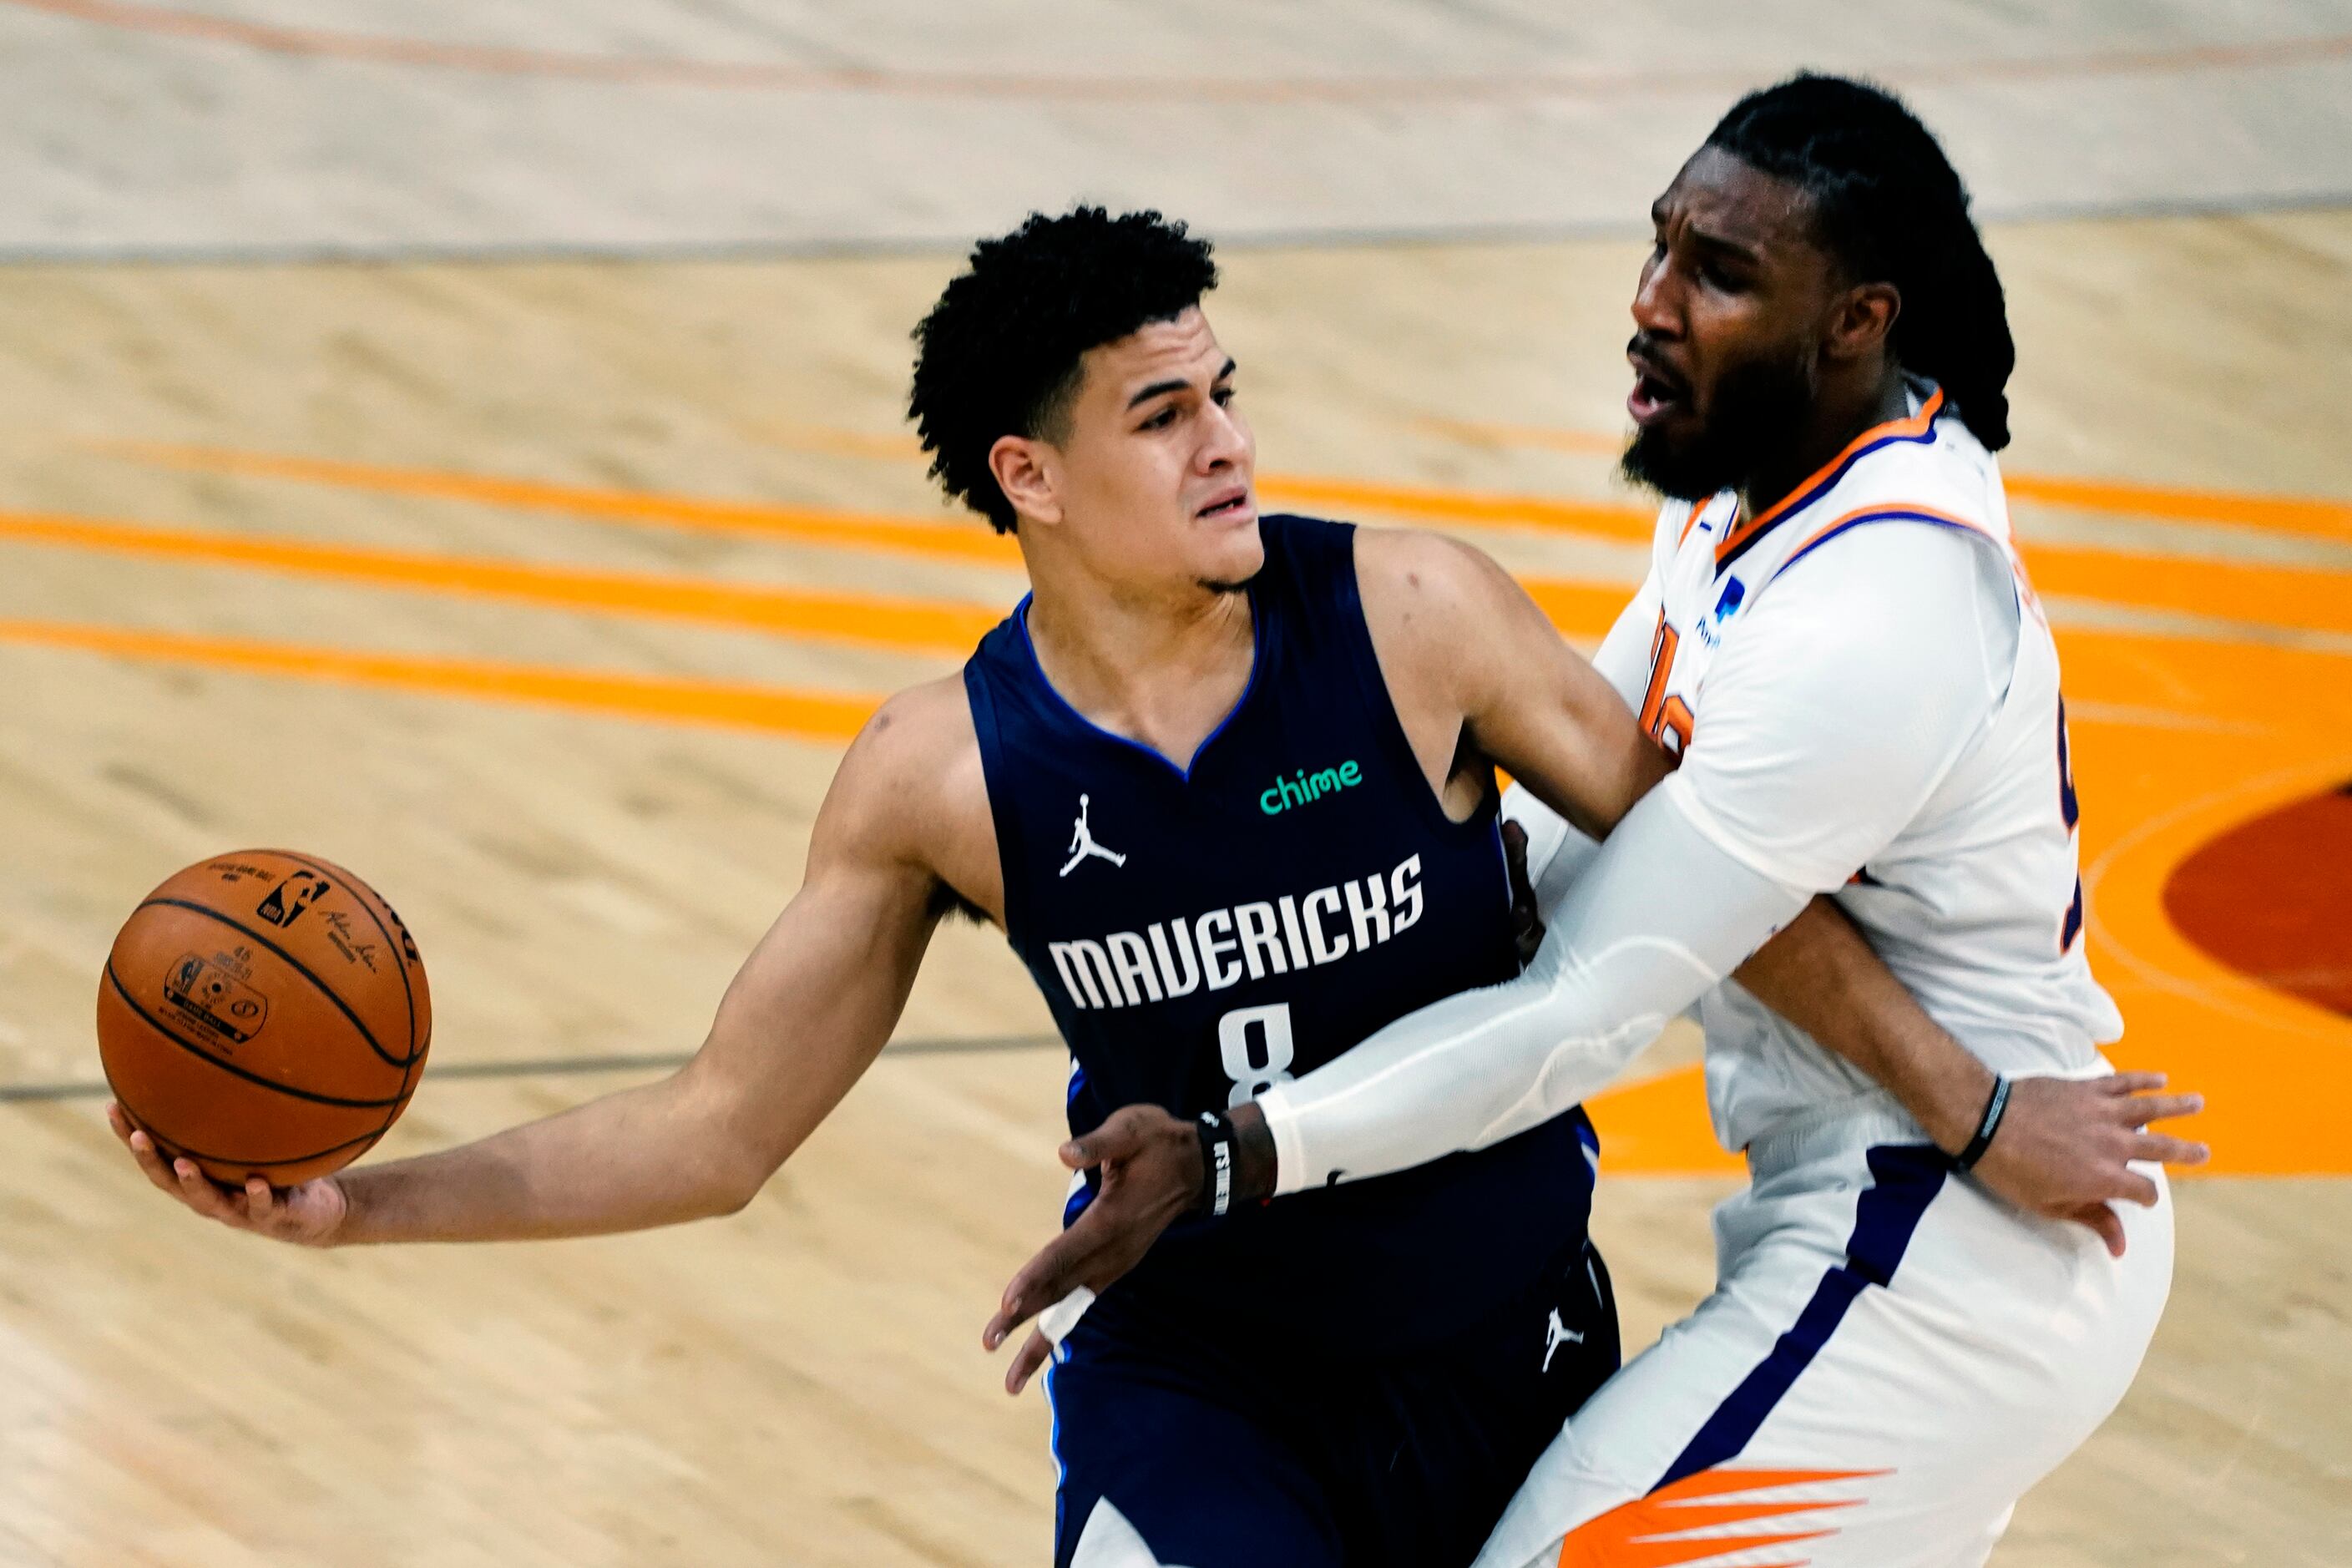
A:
(1558, 851)
(1825, 724)
(1659, 916)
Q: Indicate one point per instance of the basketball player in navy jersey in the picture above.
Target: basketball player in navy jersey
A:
(1226, 783)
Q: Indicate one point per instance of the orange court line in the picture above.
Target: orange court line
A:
(2311, 597)
(2313, 517)
(1473, 509)
(912, 626)
(2272, 1066)
(969, 540)
(2309, 516)
(824, 718)
(1580, 608)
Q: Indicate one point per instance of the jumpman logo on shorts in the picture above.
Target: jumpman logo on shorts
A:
(1082, 843)
(1556, 1334)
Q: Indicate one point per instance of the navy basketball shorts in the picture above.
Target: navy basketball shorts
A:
(1179, 1452)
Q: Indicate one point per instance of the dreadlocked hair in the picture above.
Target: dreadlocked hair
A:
(999, 354)
(1890, 207)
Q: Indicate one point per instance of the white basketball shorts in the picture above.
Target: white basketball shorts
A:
(1890, 1359)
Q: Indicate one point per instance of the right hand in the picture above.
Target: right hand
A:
(2065, 1147)
(1150, 1163)
(309, 1215)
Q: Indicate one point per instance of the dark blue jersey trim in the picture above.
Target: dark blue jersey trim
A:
(1257, 664)
(1887, 514)
(1823, 485)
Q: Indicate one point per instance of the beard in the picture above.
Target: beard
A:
(1753, 421)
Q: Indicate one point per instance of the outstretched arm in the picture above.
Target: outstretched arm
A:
(805, 1016)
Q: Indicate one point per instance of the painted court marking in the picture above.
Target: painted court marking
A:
(2159, 718)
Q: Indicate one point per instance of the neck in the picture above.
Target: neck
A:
(1838, 415)
(1161, 667)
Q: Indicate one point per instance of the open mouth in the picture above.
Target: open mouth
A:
(1232, 503)
(1657, 392)
(1654, 398)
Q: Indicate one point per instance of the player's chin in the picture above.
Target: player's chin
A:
(1228, 547)
(1673, 457)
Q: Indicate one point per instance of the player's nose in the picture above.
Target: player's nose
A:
(1657, 299)
(1224, 440)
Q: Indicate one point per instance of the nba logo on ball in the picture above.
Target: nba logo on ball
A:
(291, 897)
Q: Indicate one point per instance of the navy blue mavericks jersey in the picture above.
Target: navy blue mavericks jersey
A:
(1203, 934)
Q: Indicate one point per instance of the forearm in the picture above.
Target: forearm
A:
(1821, 976)
(631, 1161)
(1660, 916)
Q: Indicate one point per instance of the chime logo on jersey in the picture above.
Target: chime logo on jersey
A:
(1174, 958)
(1306, 788)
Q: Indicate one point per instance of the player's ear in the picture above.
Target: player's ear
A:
(1027, 472)
(1861, 321)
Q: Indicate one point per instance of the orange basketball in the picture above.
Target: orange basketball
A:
(264, 1014)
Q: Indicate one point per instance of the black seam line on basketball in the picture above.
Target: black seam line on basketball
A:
(241, 1160)
(195, 1050)
(298, 967)
(361, 893)
(573, 1066)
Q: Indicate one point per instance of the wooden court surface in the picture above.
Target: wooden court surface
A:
(544, 595)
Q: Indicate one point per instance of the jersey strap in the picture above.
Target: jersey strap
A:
(1918, 429)
(1893, 511)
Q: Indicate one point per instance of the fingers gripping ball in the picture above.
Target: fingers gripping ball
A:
(264, 1014)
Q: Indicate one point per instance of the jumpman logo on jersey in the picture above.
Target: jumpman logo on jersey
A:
(1082, 843)
(1556, 1334)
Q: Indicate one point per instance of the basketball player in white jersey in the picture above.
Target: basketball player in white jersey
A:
(1837, 644)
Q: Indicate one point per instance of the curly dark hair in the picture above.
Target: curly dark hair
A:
(1890, 207)
(999, 354)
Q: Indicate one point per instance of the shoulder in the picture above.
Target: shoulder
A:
(1908, 606)
(1898, 555)
(912, 772)
(1420, 579)
(1449, 625)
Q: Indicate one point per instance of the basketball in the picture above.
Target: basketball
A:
(264, 1014)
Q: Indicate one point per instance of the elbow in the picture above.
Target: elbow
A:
(728, 1202)
(721, 1153)
(733, 1179)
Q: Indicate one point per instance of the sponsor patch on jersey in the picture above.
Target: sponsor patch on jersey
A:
(1306, 788)
(1727, 603)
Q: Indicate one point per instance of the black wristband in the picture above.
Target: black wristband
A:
(1217, 1143)
(1995, 1109)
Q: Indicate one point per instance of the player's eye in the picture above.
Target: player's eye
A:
(1222, 396)
(1162, 420)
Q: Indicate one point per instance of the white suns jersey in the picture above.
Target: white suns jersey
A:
(1975, 904)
